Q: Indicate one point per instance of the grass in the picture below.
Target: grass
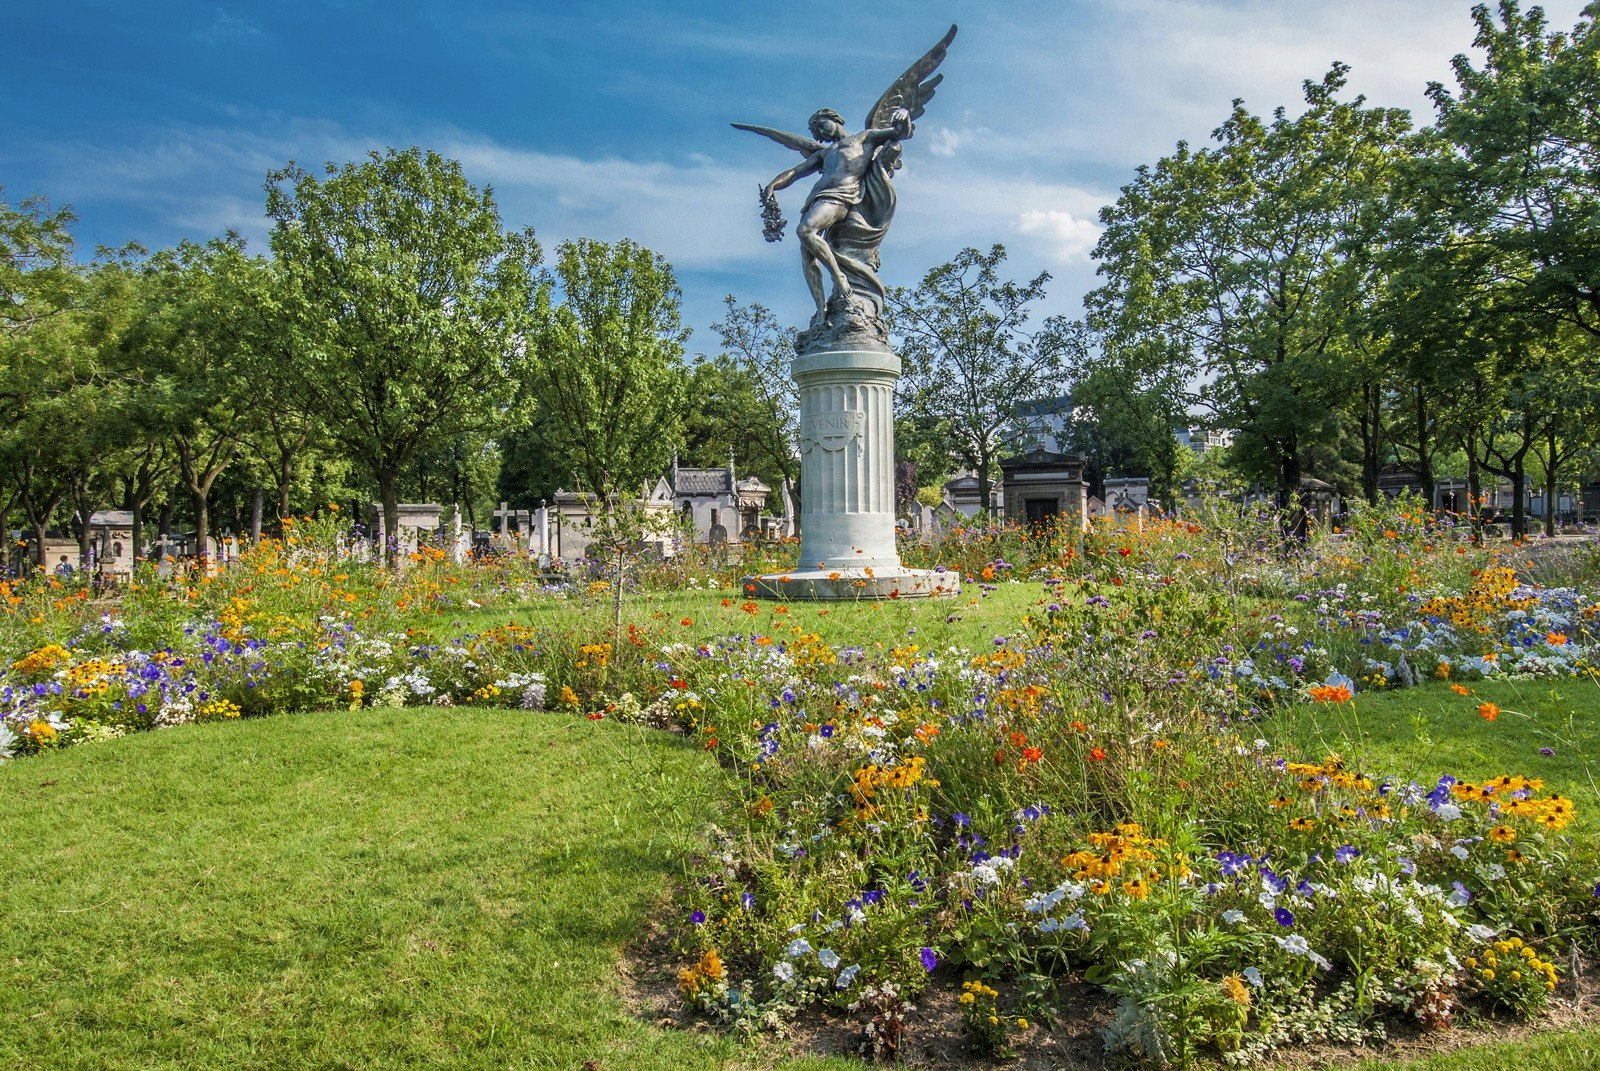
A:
(1423, 732)
(969, 620)
(376, 889)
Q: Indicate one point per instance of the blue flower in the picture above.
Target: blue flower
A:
(1284, 916)
(698, 918)
(1347, 853)
(929, 959)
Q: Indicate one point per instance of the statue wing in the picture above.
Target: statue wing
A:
(799, 143)
(914, 89)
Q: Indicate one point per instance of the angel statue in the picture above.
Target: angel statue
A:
(848, 210)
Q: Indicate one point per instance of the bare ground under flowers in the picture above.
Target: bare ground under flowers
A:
(936, 1036)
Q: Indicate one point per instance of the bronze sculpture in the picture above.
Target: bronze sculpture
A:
(849, 209)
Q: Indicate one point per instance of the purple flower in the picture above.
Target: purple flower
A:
(929, 960)
(1547, 751)
(826, 731)
(698, 918)
(961, 820)
(1284, 916)
(1347, 853)
(748, 901)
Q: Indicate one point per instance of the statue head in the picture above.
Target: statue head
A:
(826, 115)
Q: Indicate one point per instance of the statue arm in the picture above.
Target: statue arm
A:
(899, 129)
(809, 166)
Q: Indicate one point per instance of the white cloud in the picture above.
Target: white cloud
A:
(1067, 238)
(945, 141)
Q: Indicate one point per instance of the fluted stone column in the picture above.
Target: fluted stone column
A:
(847, 526)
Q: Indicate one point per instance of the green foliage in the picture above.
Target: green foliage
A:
(409, 306)
(1231, 263)
(608, 370)
(971, 357)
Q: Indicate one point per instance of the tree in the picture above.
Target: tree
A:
(762, 349)
(609, 368)
(408, 304)
(38, 281)
(971, 360)
(1523, 183)
(1231, 265)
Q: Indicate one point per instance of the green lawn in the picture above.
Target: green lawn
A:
(1430, 730)
(380, 889)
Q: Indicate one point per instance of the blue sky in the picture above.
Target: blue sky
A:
(158, 121)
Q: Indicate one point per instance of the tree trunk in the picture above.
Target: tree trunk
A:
(1474, 485)
(984, 486)
(38, 540)
(255, 514)
(1370, 441)
(202, 522)
(81, 506)
(387, 496)
(1519, 505)
(1288, 471)
(1424, 447)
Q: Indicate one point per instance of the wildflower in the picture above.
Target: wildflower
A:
(1460, 690)
(828, 958)
(929, 959)
(1283, 916)
(1233, 988)
(1097, 754)
(847, 976)
(1330, 693)
(783, 971)
(1294, 944)
(1233, 916)
(1488, 711)
(1346, 853)
(698, 918)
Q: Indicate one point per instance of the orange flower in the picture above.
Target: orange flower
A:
(1097, 754)
(1556, 639)
(1331, 693)
(1460, 690)
(686, 622)
(1488, 711)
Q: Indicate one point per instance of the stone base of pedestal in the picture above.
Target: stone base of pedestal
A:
(816, 585)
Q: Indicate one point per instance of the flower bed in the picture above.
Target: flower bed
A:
(1091, 795)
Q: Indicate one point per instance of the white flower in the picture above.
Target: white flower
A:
(828, 958)
(1320, 961)
(1449, 812)
(783, 972)
(1479, 932)
(1233, 917)
(1294, 944)
(1494, 872)
(1253, 976)
(797, 948)
(1458, 851)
